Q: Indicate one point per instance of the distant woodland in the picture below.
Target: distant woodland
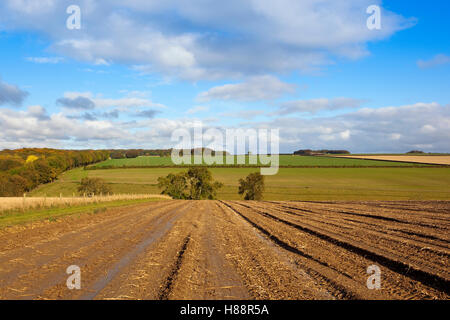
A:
(22, 170)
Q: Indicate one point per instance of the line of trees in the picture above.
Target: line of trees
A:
(134, 153)
(22, 170)
(309, 152)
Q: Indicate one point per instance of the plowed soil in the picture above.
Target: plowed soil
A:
(234, 250)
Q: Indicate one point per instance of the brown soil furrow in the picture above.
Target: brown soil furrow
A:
(405, 210)
(353, 264)
(342, 284)
(432, 208)
(284, 275)
(416, 253)
(168, 283)
(392, 238)
(441, 239)
(423, 274)
(404, 218)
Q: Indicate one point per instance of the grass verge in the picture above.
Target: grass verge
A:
(15, 217)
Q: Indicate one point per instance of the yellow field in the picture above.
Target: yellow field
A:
(26, 203)
(417, 159)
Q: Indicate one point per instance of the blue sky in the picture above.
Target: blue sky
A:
(136, 72)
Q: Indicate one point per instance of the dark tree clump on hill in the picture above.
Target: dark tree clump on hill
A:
(195, 184)
(252, 187)
(93, 186)
(309, 152)
(132, 154)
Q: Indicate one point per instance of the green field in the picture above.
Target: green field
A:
(285, 161)
(289, 184)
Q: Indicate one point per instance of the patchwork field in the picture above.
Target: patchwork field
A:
(233, 250)
(285, 160)
(289, 184)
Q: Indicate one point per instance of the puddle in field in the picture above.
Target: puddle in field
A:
(154, 236)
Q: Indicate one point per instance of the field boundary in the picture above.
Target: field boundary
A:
(418, 165)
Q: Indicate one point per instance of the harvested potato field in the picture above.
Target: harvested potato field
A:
(234, 250)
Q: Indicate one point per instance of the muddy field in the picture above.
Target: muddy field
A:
(234, 250)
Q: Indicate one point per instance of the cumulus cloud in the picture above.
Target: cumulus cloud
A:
(437, 60)
(11, 94)
(316, 105)
(30, 128)
(387, 129)
(38, 112)
(208, 39)
(86, 101)
(423, 126)
(255, 89)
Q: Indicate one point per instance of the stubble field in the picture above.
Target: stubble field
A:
(423, 159)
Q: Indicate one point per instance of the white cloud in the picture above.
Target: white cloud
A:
(395, 136)
(345, 134)
(428, 128)
(218, 40)
(316, 105)
(388, 129)
(255, 89)
(437, 60)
